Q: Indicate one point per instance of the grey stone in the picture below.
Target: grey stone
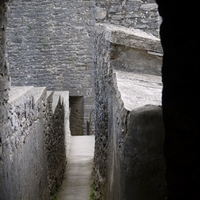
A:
(100, 13)
(124, 160)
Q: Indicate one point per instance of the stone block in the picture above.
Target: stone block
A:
(143, 155)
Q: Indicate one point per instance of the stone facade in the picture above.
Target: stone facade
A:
(120, 164)
(138, 14)
(50, 44)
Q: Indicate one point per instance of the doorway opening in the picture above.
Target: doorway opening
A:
(76, 115)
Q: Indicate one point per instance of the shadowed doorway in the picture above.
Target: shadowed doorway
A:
(76, 115)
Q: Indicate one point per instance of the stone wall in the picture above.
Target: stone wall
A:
(50, 44)
(138, 14)
(129, 135)
(4, 86)
(24, 166)
(103, 75)
(33, 144)
(56, 138)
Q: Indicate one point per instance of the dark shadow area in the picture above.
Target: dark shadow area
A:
(76, 115)
(180, 100)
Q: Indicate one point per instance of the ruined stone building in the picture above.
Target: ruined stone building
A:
(65, 65)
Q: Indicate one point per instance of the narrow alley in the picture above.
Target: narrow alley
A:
(76, 185)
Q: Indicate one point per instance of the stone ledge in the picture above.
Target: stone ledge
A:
(130, 37)
(17, 93)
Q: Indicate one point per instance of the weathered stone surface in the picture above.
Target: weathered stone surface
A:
(138, 90)
(4, 88)
(34, 144)
(50, 44)
(100, 13)
(57, 118)
(64, 97)
(121, 96)
(102, 78)
(24, 165)
(139, 14)
(130, 37)
(143, 159)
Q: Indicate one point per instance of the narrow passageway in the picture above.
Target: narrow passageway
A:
(76, 185)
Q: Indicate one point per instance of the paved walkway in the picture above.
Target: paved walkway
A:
(76, 185)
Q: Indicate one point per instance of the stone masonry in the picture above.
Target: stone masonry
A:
(128, 159)
(4, 87)
(50, 44)
(56, 137)
(33, 144)
(138, 14)
(24, 166)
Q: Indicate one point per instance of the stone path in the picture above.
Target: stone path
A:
(76, 185)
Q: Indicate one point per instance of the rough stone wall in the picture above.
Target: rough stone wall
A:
(64, 96)
(24, 166)
(55, 146)
(103, 78)
(34, 141)
(128, 145)
(139, 14)
(50, 43)
(4, 87)
(117, 123)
